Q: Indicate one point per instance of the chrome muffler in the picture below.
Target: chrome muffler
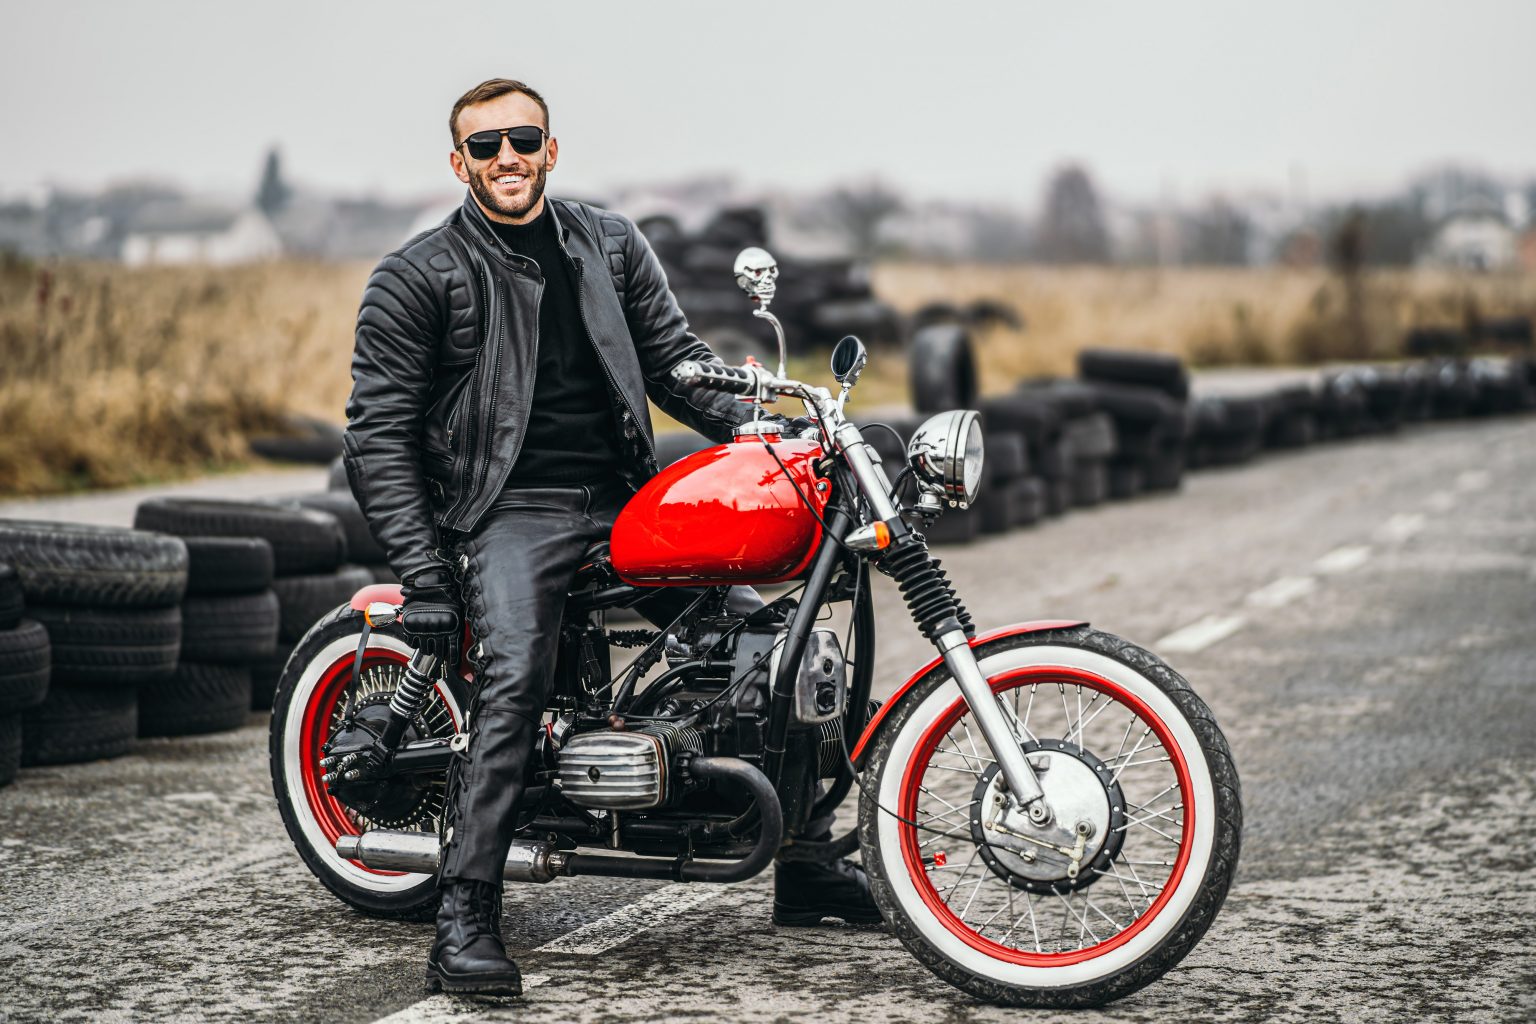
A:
(390, 850)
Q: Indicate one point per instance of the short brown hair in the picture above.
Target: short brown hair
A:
(489, 90)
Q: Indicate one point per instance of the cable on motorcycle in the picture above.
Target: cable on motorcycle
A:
(730, 686)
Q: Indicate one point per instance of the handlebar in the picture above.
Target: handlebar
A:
(733, 380)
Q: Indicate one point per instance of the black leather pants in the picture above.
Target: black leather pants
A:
(521, 560)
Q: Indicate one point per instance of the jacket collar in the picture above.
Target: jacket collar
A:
(479, 225)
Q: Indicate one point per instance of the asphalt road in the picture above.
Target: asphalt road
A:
(1361, 618)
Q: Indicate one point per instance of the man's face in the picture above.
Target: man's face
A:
(510, 186)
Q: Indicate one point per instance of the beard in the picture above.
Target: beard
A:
(483, 186)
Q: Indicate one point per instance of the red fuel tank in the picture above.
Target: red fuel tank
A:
(725, 515)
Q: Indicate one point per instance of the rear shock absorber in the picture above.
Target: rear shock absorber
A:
(925, 588)
(409, 698)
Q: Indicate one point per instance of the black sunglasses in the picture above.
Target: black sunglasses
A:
(525, 139)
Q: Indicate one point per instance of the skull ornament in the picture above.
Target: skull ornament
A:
(757, 273)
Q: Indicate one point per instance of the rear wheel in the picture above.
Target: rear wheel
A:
(1098, 902)
(306, 711)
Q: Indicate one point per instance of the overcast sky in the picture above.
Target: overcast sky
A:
(978, 101)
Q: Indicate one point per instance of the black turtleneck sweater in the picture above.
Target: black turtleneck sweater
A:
(570, 438)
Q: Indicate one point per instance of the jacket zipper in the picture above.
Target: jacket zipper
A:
(613, 384)
(462, 453)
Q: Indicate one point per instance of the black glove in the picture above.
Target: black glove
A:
(430, 616)
(790, 426)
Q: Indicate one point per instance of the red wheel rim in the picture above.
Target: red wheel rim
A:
(319, 716)
(912, 789)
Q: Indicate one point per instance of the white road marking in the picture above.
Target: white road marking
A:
(1350, 556)
(1400, 527)
(627, 922)
(1282, 591)
(588, 940)
(1472, 480)
(1197, 636)
(1441, 501)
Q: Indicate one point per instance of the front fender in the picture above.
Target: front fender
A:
(1037, 626)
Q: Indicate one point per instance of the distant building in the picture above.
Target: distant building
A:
(182, 232)
(1476, 236)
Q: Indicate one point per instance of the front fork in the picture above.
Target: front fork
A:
(1007, 746)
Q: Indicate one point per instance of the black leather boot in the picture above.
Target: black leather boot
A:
(804, 893)
(468, 957)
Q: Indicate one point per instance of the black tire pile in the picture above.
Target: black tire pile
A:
(24, 664)
(108, 601)
(1353, 402)
(1128, 424)
(309, 575)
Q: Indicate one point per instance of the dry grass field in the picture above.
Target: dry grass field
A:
(1209, 316)
(112, 376)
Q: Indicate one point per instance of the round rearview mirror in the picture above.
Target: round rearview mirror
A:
(848, 359)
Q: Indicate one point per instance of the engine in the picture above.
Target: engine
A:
(716, 693)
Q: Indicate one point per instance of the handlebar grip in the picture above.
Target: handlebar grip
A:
(733, 380)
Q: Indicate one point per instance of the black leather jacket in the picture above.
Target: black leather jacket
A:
(443, 369)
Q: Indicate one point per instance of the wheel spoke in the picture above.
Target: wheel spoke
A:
(1082, 920)
(1151, 828)
(1149, 815)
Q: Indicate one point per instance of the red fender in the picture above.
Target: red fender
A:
(389, 593)
(1018, 628)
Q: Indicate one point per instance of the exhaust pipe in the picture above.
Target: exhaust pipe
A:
(533, 861)
(388, 850)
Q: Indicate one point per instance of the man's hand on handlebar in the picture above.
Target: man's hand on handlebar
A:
(430, 616)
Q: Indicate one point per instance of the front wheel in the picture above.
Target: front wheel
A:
(1124, 879)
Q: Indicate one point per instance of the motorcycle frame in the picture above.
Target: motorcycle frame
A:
(791, 778)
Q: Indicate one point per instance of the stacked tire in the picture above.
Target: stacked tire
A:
(942, 368)
(109, 599)
(24, 662)
(1086, 440)
(1038, 421)
(229, 621)
(1228, 431)
(362, 549)
(1146, 396)
(1293, 417)
(308, 554)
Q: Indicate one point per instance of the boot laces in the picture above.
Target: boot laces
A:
(484, 905)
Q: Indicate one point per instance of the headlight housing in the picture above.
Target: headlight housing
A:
(946, 454)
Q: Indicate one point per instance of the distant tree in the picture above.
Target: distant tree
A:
(859, 211)
(1219, 235)
(1390, 233)
(273, 194)
(1072, 222)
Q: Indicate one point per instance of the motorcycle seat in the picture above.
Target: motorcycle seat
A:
(595, 567)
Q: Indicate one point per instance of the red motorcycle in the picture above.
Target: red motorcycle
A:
(1049, 815)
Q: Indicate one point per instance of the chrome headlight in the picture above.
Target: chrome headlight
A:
(945, 453)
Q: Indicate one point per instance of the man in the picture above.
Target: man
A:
(498, 417)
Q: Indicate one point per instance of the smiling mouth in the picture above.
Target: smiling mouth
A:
(510, 179)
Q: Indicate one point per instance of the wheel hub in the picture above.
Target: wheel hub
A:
(396, 802)
(1080, 837)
